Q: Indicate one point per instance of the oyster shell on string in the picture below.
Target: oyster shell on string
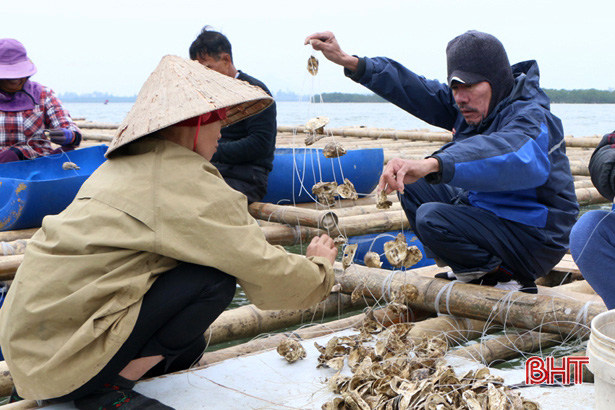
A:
(349, 252)
(372, 260)
(312, 65)
(398, 253)
(340, 240)
(325, 192)
(347, 190)
(405, 293)
(70, 165)
(315, 127)
(291, 350)
(317, 124)
(333, 150)
(382, 202)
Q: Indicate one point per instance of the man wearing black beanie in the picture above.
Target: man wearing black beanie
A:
(497, 203)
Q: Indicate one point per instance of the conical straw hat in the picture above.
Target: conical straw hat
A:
(179, 89)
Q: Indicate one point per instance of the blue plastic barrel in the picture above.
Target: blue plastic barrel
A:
(297, 170)
(33, 189)
(375, 243)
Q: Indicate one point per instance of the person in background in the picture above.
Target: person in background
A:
(31, 116)
(497, 203)
(245, 155)
(592, 240)
(147, 255)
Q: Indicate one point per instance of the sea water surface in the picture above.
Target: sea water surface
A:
(579, 120)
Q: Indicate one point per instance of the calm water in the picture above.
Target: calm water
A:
(579, 119)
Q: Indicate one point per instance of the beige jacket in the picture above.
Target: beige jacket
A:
(77, 294)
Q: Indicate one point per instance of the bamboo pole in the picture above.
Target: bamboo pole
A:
(580, 286)
(249, 321)
(286, 235)
(22, 405)
(584, 183)
(16, 247)
(455, 330)
(272, 341)
(579, 168)
(443, 136)
(347, 203)
(347, 226)
(8, 236)
(293, 216)
(548, 313)
(96, 125)
(96, 136)
(365, 210)
(9, 265)
(508, 346)
(6, 380)
(589, 196)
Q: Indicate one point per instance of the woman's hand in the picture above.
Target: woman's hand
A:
(322, 246)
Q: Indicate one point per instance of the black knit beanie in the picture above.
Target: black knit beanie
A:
(473, 57)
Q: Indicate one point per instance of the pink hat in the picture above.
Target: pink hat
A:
(14, 62)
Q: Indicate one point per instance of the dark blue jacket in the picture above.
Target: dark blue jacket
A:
(250, 141)
(513, 164)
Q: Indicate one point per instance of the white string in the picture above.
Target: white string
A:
(7, 249)
(446, 288)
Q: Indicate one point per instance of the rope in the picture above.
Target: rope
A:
(446, 288)
(7, 249)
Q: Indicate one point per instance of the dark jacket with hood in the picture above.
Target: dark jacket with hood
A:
(602, 166)
(251, 141)
(513, 163)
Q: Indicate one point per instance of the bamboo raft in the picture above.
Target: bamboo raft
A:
(560, 313)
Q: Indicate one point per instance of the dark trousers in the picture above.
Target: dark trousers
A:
(471, 239)
(176, 311)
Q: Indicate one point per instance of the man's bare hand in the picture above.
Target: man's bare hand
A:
(322, 246)
(328, 45)
(399, 172)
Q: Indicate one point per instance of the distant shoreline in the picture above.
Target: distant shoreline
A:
(589, 96)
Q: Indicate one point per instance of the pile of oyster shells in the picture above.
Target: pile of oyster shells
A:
(390, 371)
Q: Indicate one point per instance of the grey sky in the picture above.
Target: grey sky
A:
(113, 45)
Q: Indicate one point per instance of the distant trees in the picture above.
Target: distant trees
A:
(345, 97)
(591, 96)
(94, 97)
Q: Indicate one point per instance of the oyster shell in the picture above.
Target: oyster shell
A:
(340, 240)
(399, 254)
(69, 165)
(347, 190)
(349, 252)
(317, 124)
(291, 350)
(372, 260)
(382, 202)
(333, 150)
(398, 374)
(312, 65)
(325, 192)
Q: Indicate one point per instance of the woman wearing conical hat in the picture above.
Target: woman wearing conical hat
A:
(133, 272)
